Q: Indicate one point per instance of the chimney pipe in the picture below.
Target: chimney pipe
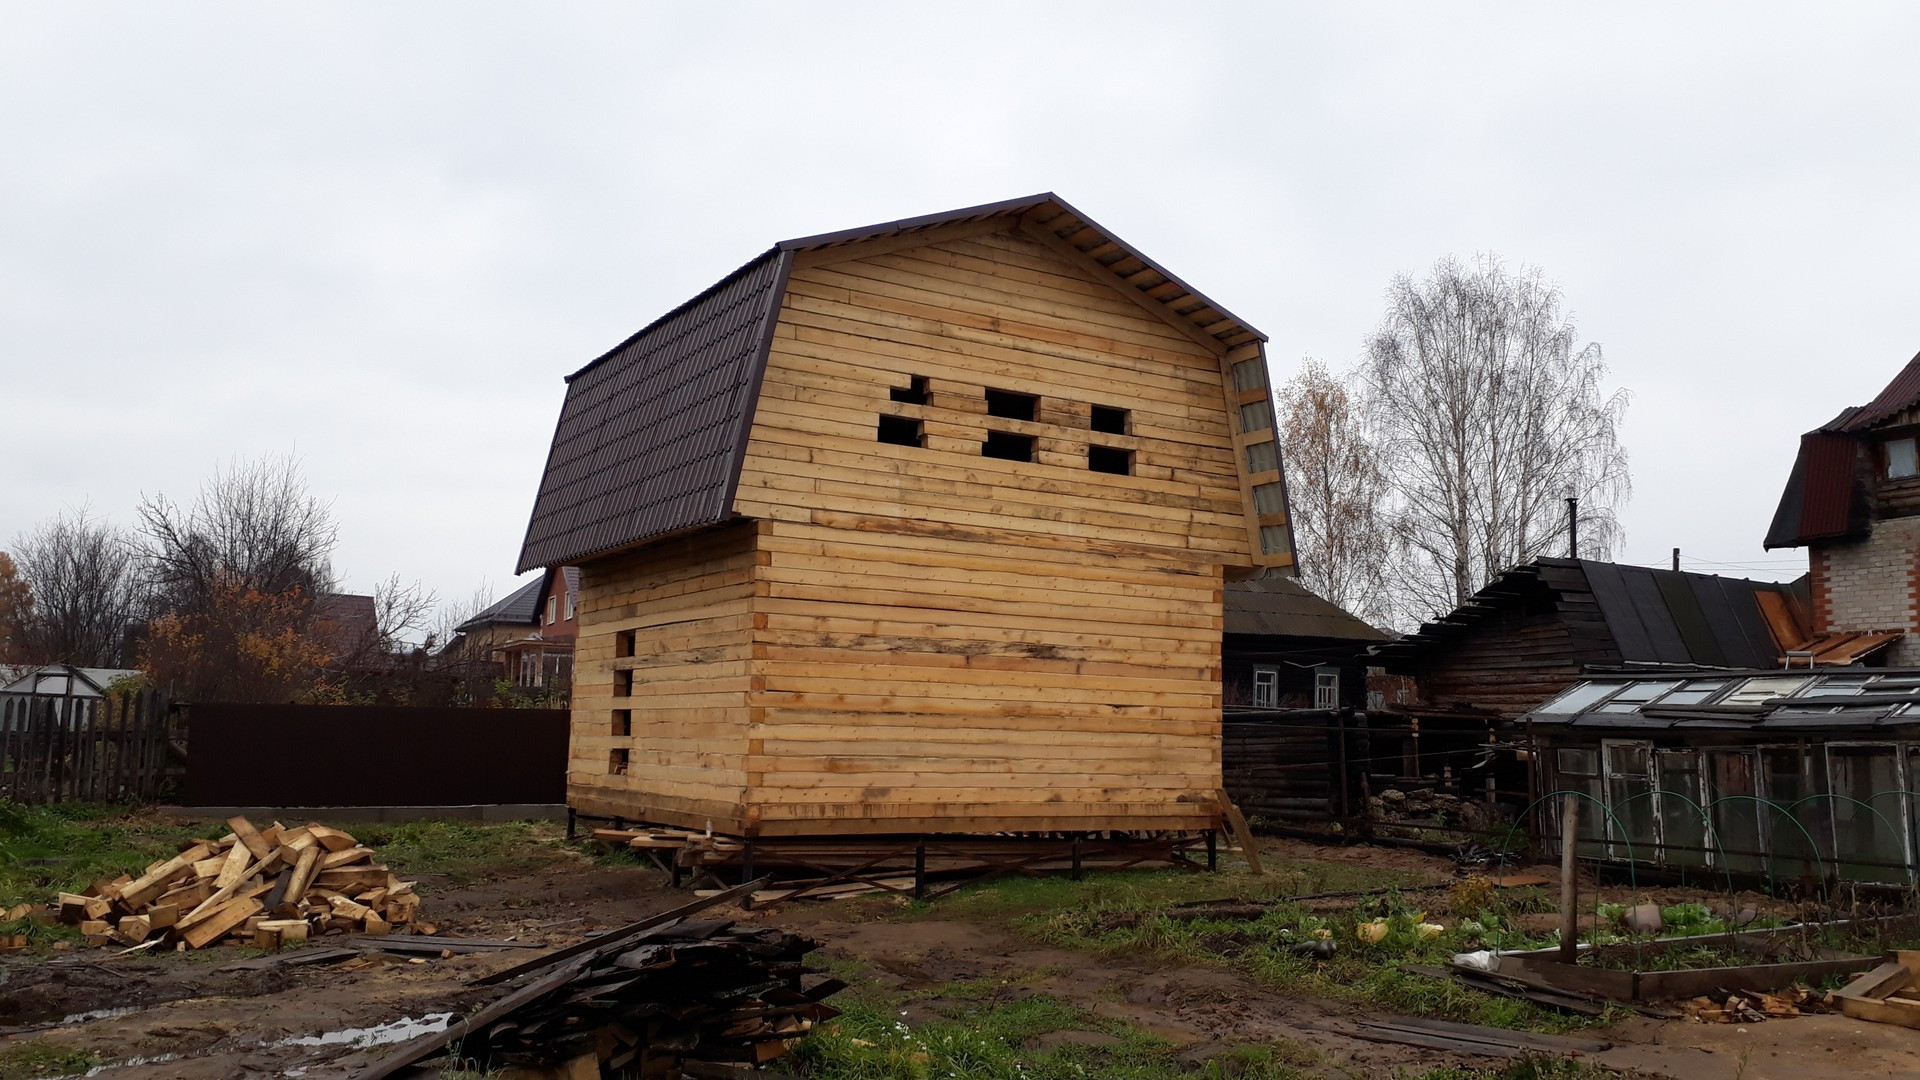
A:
(1573, 527)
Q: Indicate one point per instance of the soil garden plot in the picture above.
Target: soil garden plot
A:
(1016, 978)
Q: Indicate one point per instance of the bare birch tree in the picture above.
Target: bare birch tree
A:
(1489, 415)
(1336, 493)
(82, 574)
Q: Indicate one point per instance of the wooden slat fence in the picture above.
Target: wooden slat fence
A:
(76, 749)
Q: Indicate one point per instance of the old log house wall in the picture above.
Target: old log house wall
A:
(920, 638)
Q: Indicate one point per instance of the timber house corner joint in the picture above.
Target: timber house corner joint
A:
(921, 527)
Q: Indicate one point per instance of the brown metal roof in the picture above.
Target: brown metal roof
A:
(1894, 398)
(651, 436)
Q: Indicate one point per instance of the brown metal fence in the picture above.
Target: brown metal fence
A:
(106, 749)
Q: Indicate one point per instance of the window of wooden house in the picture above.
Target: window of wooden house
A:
(1903, 459)
(914, 393)
(1007, 446)
(623, 643)
(1012, 405)
(1109, 420)
(1110, 459)
(623, 722)
(617, 762)
(1266, 688)
(623, 683)
(902, 431)
(1326, 688)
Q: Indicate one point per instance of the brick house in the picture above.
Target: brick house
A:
(530, 634)
(1853, 501)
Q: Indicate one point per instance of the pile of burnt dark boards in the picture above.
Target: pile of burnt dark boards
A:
(669, 996)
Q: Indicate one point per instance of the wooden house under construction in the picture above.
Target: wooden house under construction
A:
(916, 528)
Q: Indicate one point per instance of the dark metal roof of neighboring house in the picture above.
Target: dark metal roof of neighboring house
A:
(1653, 616)
(1895, 397)
(651, 436)
(521, 606)
(1282, 607)
(1826, 494)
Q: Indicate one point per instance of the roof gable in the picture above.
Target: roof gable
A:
(650, 440)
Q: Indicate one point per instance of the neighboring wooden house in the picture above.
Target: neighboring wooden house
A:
(530, 634)
(1286, 648)
(920, 527)
(1540, 627)
(1853, 501)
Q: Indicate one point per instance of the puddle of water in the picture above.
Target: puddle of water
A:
(158, 1059)
(362, 1038)
(99, 1014)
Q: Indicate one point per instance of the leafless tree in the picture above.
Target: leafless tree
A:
(455, 612)
(1336, 492)
(253, 525)
(87, 593)
(1488, 415)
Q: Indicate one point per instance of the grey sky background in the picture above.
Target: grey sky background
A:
(378, 235)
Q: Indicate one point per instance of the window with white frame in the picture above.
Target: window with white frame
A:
(1326, 688)
(1266, 688)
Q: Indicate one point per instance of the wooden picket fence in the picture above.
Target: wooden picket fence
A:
(60, 749)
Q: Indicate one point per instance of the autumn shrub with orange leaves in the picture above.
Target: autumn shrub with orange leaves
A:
(241, 645)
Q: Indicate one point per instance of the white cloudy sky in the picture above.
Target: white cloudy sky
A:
(377, 235)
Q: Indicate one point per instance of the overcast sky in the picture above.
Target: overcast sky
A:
(377, 235)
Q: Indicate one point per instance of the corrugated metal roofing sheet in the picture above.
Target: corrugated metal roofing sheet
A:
(1895, 397)
(521, 606)
(650, 436)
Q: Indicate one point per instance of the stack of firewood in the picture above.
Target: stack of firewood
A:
(264, 887)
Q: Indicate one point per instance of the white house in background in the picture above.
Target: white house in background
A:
(60, 680)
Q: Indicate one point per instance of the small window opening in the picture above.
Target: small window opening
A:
(617, 762)
(900, 431)
(914, 393)
(1012, 406)
(1902, 459)
(1109, 459)
(1326, 688)
(1111, 421)
(1005, 445)
(623, 722)
(623, 643)
(623, 683)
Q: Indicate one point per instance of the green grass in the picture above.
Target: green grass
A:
(464, 851)
(987, 1031)
(1092, 915)
(40, 1058)
(67, 847)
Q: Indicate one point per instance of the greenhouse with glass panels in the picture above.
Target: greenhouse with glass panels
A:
(1779, 774)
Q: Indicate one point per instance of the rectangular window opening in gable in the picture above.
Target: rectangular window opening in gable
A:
(1108, 459)
(623, 722)
(1903, 459)
(914, 393)
(1007, 446)
(617, 762)
(901, 431)
(1109, 420)
(1010, 405)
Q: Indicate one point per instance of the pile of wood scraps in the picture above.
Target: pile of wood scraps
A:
(1889, 994)
(263, 887)
(665, 997)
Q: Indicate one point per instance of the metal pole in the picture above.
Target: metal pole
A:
(1573, 527)
(1569, 915)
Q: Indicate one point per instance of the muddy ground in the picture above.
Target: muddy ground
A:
(189, 1017)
